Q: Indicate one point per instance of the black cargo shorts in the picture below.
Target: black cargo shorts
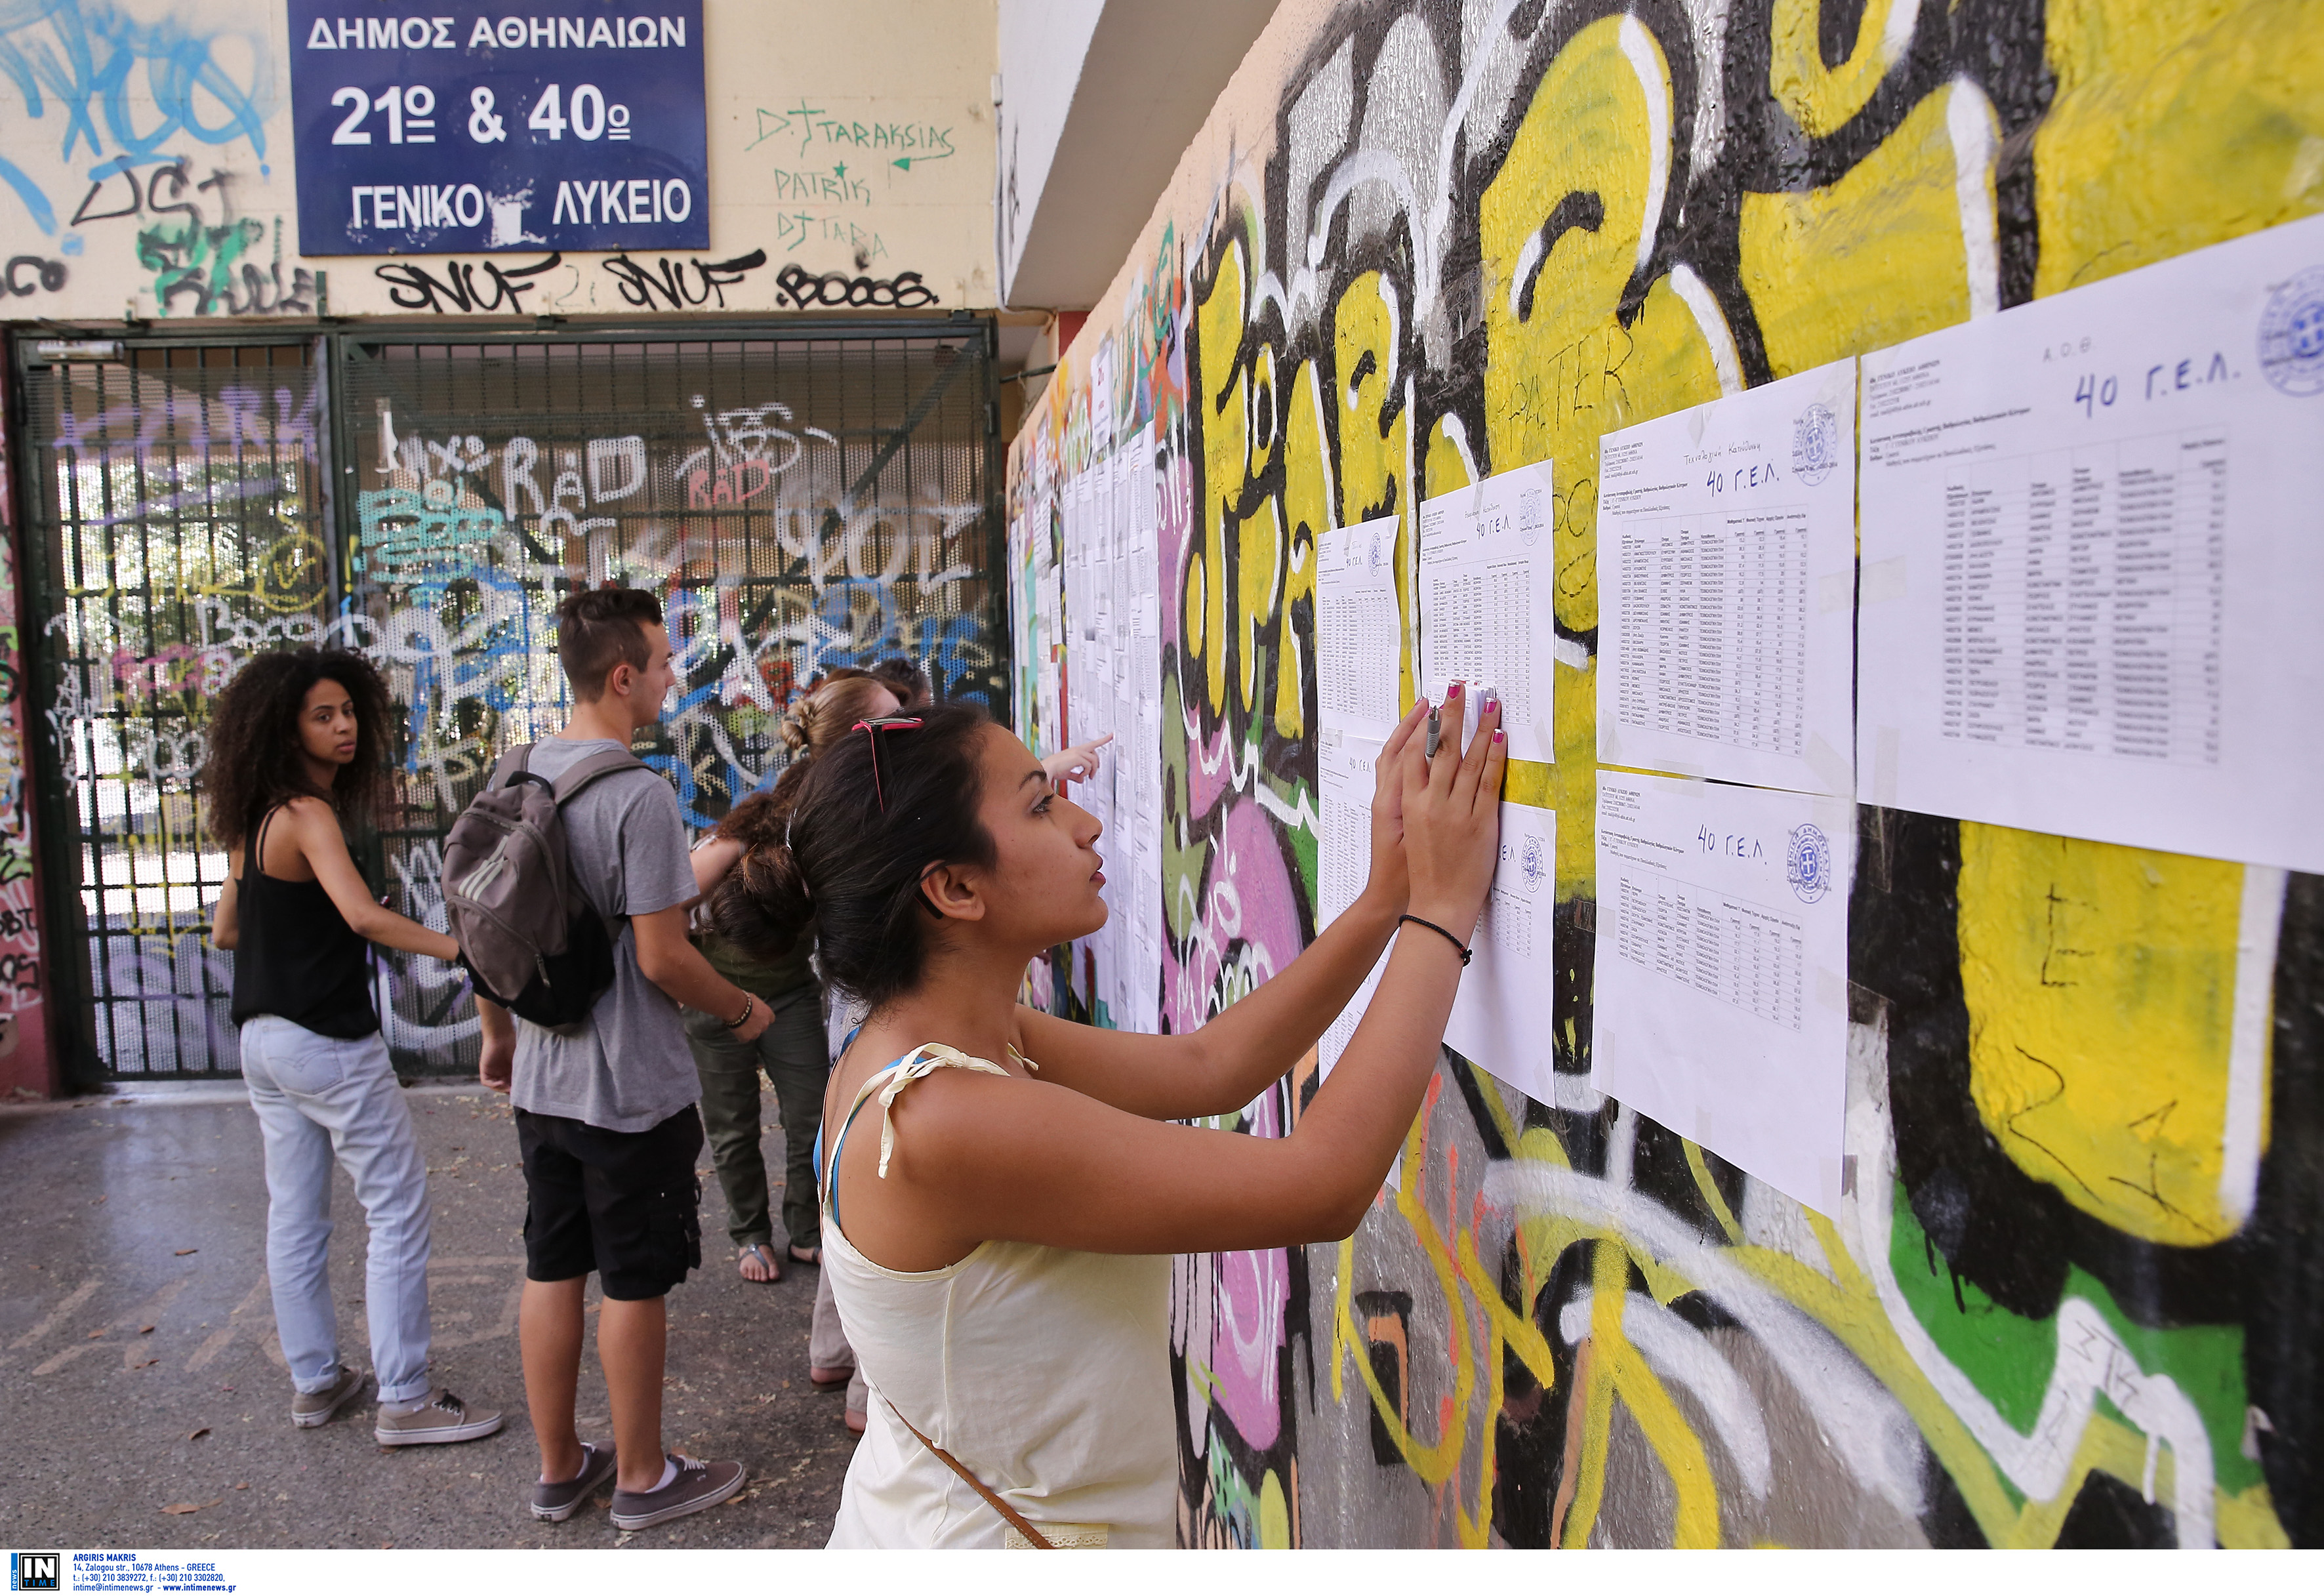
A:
(623, 1203)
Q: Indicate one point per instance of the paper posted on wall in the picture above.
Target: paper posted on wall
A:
(2093, 552)
(1720, 982)
(1347, 768)
(1727, 586)
(1359, 643)
(1486, 598)
(1501, 1017)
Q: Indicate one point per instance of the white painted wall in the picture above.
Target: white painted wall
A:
(1042, 45)
(1100, 97)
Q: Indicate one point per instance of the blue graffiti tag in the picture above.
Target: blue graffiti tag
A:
(85, 58)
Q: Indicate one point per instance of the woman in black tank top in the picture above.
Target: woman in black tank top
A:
(297, 748)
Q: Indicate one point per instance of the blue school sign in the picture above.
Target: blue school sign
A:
(466, 130)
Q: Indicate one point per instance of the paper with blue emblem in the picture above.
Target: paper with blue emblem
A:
(1501, 1020)
(2093, 558)
(1727, 586)
(1720, 986)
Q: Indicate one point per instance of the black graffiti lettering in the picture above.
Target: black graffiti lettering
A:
(801, 287)
(21, 970)
(415, 288)
(136, 200)
(44, 273)
(176, 174)
(17, 922)
(667, 278)
(145, 198)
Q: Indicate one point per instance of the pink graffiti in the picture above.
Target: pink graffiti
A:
(1253, 1296)
(728, 484)
(20, 948)
(173, 668)
(1248, 926)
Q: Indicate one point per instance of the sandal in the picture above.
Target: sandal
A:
(811, 1255)
(766, 1259)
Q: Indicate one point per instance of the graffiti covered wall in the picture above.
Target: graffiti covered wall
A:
(2073, 1296)
(147, 169)
(26, 1067)
(797, 508)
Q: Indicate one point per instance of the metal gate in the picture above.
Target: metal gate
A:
(802, 497)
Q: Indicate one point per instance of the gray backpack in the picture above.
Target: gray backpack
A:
(528, 939)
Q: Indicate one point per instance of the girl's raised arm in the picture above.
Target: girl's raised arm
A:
(977, 1157)
(1223, 1064)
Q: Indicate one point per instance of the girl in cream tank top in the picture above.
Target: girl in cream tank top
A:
(1043, 1371)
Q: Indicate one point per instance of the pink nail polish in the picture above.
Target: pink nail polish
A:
(1499, 736)
(1493, 706)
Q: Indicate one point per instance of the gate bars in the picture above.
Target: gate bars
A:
(804, 496)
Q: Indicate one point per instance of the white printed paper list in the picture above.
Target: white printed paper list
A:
(1500, 1019)
(1719, 986)
(1487, 575)
(1359, 644)
(2092, 558)
(1727, 572)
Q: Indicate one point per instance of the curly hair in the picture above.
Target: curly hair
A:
(255, 761)
(810, 726)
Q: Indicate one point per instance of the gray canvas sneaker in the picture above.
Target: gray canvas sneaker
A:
(554, 1504)
(311, 1409)
(445, 1417)
(698, 1485)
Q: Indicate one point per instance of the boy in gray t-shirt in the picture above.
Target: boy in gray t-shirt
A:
(627, 848)
(604, 1107)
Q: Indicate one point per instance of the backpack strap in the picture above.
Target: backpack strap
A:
(568, 786)
(510, 765)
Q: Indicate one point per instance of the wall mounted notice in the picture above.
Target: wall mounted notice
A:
(471, 130)
(1501, 1015)
(2093, 548)
(1727, 584)
(1136, 758)
(1485, 598)
(1358, 643)
(1347, 768)
(1720, 983)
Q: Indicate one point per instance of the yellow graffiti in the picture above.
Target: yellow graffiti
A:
(2099, 983)
(2175, 125)
(1824, 99)
(1875, 258)
(2076, 956)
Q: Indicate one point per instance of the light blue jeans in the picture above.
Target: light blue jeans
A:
(320, 1099)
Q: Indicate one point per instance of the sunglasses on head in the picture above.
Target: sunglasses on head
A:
(873, 729)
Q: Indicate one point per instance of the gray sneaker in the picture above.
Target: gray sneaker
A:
(698, 1485)
(312, 1409)
(445, 1417)
(554, 1504)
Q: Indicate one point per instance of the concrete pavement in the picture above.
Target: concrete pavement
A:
(139, 1370)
